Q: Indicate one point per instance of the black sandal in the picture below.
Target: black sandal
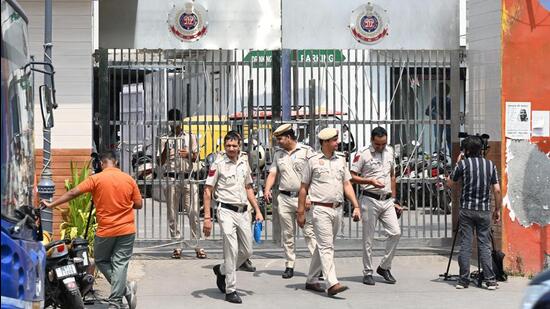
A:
(176, 254)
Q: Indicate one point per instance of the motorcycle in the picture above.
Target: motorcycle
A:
(85, 265)
(440, 167)
(143, 167)
(62, 289)
(422, 178)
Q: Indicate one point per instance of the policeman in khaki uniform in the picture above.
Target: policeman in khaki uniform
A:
(326, 178)
(373, 168)
(178, 153)
(288, 164)
(230, 180)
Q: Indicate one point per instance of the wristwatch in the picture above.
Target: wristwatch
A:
(396, 201)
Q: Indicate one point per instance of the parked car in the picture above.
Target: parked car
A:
(537, 295)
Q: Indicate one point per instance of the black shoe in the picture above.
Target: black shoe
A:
(462, 284)
(220, 279)
(233, 298)
(289, 273)
(386, 274)
(368, 280)
(247, 266)
(320, 276)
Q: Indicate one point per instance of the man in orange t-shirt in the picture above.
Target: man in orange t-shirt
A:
(115, 195)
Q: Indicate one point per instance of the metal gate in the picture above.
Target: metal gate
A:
(416, 95)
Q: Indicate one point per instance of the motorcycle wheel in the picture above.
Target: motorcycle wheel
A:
(72, 300)
(443, 202)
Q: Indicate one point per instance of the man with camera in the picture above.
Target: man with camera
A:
(373, 168)
(476, 176)
(115, 195)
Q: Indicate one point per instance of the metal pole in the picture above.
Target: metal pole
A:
(46, 186)
(312, 105)
(276, 85)
(455, 123)
(286, 96)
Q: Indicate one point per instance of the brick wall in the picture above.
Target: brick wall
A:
(61, 170)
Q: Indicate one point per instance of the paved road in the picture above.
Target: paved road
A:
(190, 283)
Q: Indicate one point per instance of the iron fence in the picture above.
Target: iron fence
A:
(416, 95)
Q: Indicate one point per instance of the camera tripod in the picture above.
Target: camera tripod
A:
(448, 277)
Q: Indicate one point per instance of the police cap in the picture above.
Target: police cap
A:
(282, 129)
(327, 133)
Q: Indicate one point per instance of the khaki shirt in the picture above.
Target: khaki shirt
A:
(289, 166)
(368, 163)
(326, 178)
(175, 163)
(229, 180)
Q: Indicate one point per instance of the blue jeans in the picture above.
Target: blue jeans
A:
(438, 133)
(468, 220)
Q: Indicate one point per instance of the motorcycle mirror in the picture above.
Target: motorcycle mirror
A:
(47, 104)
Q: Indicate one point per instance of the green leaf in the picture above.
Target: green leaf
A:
(74, 224)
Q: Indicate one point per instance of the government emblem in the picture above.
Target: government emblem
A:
(369, 23)
(189, 23)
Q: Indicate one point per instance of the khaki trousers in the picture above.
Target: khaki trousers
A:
(275, 219)
(384, 212)
(326, 222)
(237, 243)
(287, 216)
(174, 191)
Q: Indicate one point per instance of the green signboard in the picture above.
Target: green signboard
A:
(304, 58)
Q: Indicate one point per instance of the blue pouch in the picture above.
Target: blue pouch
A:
(258, 232)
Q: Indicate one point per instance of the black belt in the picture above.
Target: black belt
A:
(178, 175)
(377, 196)
(289, 193)
(233, 207)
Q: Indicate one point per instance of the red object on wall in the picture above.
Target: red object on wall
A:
(525, 78)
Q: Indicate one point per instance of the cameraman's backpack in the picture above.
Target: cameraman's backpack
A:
(498, 262)
(497, 257)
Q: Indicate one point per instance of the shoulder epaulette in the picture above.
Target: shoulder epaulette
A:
(313, 155)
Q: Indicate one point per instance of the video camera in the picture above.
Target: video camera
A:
(96, 162)
(484, 138)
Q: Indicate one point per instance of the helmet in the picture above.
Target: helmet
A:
(204, 166)
(256, 156)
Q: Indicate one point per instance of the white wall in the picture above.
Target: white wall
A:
(231, 24)
(419, 24)
(257, 24)
(483, 112)
(71, 56)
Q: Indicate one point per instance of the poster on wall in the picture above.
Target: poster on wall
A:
(518, 120)
(541, 123)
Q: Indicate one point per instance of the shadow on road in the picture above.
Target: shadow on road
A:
(214, 293)
(277, 273)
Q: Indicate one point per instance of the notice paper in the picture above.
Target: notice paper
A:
(518, 120)
(541, 123)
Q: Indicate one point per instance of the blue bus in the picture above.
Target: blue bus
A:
(23, 255)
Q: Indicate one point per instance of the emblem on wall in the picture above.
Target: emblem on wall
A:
(188, 23)
(369, 23)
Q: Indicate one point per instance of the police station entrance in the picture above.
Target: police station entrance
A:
(141, 95)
